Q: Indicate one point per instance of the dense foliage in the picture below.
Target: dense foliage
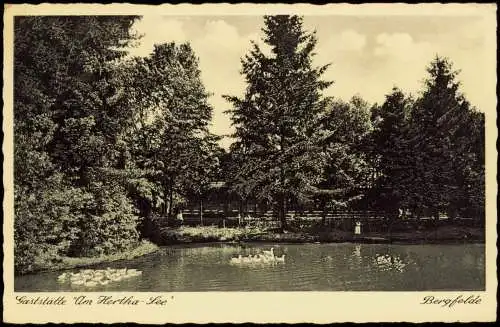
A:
(447, 139)
(105, 144)
(429, 152)
(422, 157)
(101, 140)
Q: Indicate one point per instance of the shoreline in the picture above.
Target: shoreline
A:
(67, 263)
(363, 240)
(440, 235)
(210, 235)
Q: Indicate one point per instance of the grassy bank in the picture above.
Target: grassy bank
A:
(186, 234)
(143, 248)
(442, 234)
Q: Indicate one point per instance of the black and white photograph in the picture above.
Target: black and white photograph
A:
(168, 152)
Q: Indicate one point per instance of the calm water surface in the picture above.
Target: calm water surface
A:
(307, 267)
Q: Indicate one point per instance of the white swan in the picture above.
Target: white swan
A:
(62, 277)
(266, 258)
(90, 283)
(133, 272)
(239, 259)
(115, 277)
(97, 278)
(280, 259)
(75, 277)
(256, 259)
(78, 281)
(91, 277)
(269, 253)
(99, 275)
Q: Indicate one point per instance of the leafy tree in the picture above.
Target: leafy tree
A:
(69, 77)
(67, 113)
(347, 125)
(170, 135)
(277, 121)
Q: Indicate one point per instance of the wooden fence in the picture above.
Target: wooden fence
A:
(231, 218)
(337, 219)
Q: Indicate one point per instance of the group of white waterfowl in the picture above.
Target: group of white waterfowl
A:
(94, 277)
(264, 257)
(388, 262)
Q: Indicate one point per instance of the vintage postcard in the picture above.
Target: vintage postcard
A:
(250, 163)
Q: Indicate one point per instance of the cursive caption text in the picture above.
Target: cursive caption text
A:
(84, 300)
(451, 301)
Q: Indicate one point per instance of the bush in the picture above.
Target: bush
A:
(111, 224)
(57, 220)
(46, 221)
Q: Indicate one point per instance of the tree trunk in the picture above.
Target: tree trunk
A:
(323, 214)
(226, 208)
(282, 212)
(392, 218)
(436, 215)
(201, 212)
(169, 203)
(240, 212)
(435, 223)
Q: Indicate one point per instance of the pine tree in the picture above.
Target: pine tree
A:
(440, 132)
(277, 122)
(393, 155)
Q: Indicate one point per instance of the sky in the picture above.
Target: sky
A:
(369, 54)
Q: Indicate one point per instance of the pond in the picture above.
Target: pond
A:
(307, 267)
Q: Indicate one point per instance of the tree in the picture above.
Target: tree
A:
(277, 121)
(443, 131)
(67, 114)
(472, 139)
(391, 152)
(170, 133)
(70, 78)
(347, 125)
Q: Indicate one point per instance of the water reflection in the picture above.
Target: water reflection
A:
(388, 262)
(357, 251)
(308, 267)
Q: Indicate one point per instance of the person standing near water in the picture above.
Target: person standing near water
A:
(357, 228)
(178, 217)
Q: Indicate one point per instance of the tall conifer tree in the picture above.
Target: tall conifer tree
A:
(277, 121)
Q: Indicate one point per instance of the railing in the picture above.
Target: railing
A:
(344, 220)
(231, 218)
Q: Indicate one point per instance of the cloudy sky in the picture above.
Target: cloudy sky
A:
(369, 54)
